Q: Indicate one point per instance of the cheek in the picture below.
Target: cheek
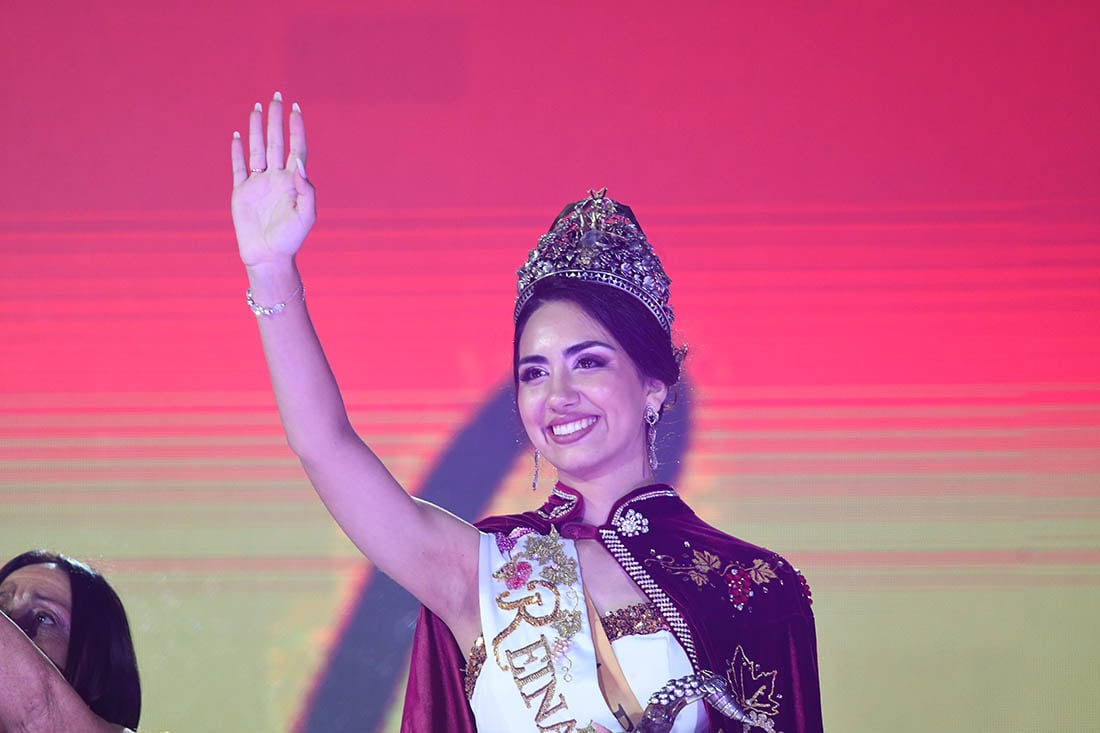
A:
(55, 646)
(528, 406)
(611, 391)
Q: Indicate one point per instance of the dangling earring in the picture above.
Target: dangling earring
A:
(652, 417)
(535, 478)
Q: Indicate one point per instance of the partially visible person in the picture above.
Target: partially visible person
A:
(61, 616)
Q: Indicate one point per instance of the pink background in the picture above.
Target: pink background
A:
(882, 222)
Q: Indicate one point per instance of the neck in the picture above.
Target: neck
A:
(601, 496)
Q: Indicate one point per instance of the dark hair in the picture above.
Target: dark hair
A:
(621, 314)
(101, 666)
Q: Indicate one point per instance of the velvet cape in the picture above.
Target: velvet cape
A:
(737, 609)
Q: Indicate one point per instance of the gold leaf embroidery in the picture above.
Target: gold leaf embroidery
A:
(544, 548)
(706, 561)
(761, 572)
(753, 688)
(699, 578)
(562, 572)
(567, 623)
(707, 569)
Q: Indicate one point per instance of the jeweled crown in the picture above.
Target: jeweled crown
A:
(598, 240)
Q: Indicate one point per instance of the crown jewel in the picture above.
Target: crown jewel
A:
(598, 240)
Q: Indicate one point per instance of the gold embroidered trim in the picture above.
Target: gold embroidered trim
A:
(475, 660)
(636, 620)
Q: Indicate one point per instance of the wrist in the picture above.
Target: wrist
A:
(273, 282)
(266, 311)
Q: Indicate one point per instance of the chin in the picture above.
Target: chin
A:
(572, 471)
(585, 463)
(580, 470)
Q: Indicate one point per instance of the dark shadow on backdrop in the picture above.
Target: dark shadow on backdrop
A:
(366, 668)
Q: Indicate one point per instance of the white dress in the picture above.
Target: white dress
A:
(540, 668)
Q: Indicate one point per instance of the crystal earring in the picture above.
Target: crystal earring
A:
(535, 478)
(652, 417)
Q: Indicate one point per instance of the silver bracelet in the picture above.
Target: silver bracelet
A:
(264, 311)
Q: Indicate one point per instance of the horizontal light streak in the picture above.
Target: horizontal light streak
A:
(1059, 206)
(958, 502)
(1082, 224)
(824, 561)
(395, 400)
(710, 396)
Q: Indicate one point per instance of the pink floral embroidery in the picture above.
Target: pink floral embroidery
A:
(507, 542)
(515, 574)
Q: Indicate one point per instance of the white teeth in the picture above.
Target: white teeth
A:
(572, 427)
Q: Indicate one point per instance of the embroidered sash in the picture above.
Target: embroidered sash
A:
(540, 673)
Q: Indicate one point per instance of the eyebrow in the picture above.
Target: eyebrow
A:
(52, 601)
(570, 351)
(36, 596)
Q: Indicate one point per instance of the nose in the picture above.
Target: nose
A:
(562, 393)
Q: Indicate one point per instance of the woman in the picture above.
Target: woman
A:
(64, 617)
(593, 365)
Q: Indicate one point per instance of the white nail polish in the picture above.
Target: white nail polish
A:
(236, 134)
(258, 108)
(296, 108)
(278, 96)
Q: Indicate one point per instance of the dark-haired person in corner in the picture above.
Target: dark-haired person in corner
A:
(60, 616)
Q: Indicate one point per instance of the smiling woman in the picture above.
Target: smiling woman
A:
(64, 617)
(613, 594)
(582, 398)
(610, 607)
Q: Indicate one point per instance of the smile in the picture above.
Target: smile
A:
(572, 428)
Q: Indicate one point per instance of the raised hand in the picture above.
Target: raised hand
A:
(274, 205)
(273, 211)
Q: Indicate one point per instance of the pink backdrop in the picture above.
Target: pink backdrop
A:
(882, 223)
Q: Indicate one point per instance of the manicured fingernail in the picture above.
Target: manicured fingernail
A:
(258, 108)
(236, 134)
(296, 108)
(278, 96)
(301, 167)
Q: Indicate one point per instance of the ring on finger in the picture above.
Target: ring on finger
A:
(257, 170)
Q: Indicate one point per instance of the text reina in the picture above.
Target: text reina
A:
(533, 672)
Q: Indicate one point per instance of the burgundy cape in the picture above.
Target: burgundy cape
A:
(737, 609)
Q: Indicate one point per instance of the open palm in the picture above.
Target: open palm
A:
(274, 205)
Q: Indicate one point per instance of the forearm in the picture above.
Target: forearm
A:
(345, 472)
(34, 697)
(274, 209)
(306, 393)
(355, 486)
